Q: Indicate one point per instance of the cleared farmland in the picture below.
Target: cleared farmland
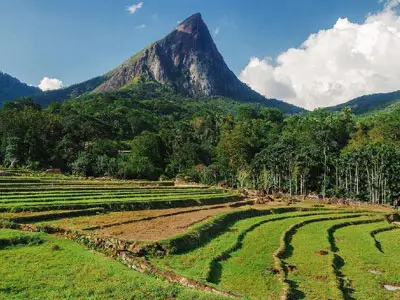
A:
(40, 194)
(206, 238)
(293, 255)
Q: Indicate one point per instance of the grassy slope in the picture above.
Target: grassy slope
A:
(37, 272)
(244, 273)
(314, 277)
(247, 270)
(360, 255)
(196, 263)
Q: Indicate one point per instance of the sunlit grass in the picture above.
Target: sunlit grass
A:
(61, 269)
(362, 259)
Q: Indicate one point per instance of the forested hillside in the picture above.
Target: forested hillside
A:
(216, 140)
(370, 103)
(11, 88)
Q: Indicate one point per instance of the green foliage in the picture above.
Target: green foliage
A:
(148, 131)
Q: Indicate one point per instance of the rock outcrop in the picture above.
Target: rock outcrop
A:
(187, 59)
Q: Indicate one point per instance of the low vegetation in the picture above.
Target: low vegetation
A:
(39, 194)
(61, 269)
(213, 241)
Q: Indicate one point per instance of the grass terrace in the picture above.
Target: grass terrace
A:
(52, 193)
(207, 238)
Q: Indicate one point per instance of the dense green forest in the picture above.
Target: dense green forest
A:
(208, 140)
(370, 103)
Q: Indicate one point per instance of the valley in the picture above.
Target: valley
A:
(169, 176)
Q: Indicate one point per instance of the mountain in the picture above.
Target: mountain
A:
(187, 60)
(11, 88)
(370, 103)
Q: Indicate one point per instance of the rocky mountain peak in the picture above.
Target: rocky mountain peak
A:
(192, 25)
(186, 60)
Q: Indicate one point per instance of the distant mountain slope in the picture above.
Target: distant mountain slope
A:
(370, 103)
(73, 91)
(11, 88)
(187, 60)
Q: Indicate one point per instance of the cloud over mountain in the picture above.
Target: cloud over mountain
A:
(335, 65)
(49, 84)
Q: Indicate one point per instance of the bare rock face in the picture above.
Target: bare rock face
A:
(187, 59)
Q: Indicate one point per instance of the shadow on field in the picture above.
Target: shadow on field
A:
(338, 262)
(332, 240)
(294, 293)
(374, 233)
(378, 245)
(344, 283)
(216, 273)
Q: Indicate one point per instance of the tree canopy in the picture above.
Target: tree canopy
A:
(152, 135)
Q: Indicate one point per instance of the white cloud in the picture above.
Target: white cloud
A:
(217, 30)
(334, 65)
(49, 84)
(143, 26)
(133, 8)
(390, 4)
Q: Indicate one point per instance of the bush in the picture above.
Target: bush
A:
(83, 165)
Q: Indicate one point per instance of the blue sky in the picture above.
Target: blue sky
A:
(75, 40)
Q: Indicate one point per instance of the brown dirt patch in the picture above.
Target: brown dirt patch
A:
(115, 218)
(30, 214)
(292, 268)
(321, 252)
(273, 271)
(323, 277)
(163, 227)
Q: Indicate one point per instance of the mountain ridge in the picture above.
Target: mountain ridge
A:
(369, 103)
(11, 88)
(187, 59)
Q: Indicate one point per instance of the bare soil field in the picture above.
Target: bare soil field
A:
(163, 226)
(114, 219)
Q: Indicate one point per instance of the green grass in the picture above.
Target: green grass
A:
(237, 251)
(245, 272)
(63, 193)
(314, 277)
(361, 256)
(241, 259)
(108, 202)
(41, 272)
(106, 192)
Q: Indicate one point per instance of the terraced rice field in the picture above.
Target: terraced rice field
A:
(52, 193)
(294, 255)
(204, 238)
